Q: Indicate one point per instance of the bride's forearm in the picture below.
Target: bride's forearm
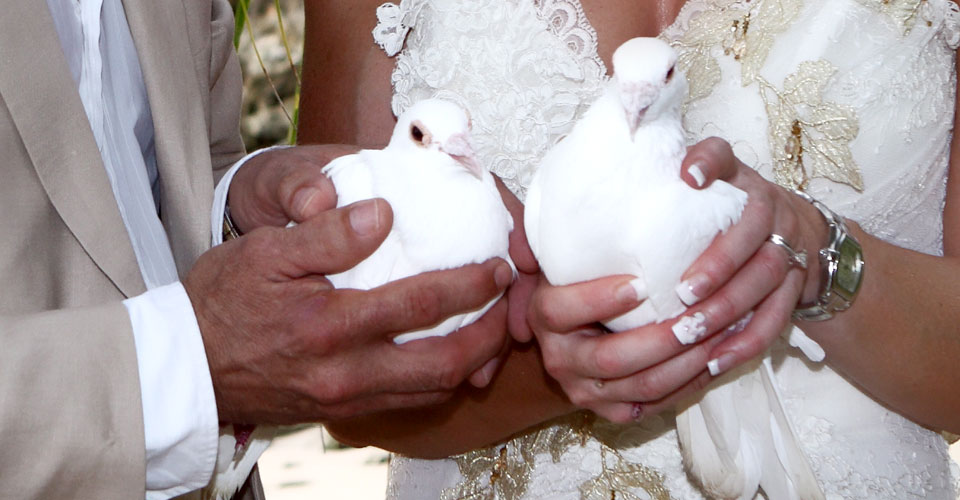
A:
(520, 395)
(900, 341)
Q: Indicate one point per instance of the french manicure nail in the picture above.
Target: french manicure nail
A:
(721, 363)
(697, 173)
(301, 200)
(365, 217)
(503, 275)
(631, 292)
(640, 288)
(486, 373)
(690, 328)
(693, 289)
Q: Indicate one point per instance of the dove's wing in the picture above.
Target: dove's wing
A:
(353, 177)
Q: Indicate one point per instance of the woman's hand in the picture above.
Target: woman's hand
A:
(621, 376)
(745, 287)
(742, 270)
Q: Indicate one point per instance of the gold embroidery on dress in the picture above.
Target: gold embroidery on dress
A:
(503, 471)
(728, 25)
(903, 12)
(808, 137)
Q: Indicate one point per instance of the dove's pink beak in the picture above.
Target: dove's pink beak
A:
(458, 147)
(636, 99)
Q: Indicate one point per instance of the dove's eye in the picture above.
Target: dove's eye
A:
(670, 74)
(417, 134)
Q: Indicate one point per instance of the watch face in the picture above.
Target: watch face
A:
(849, 268)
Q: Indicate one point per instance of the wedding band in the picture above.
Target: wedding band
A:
(598, 383)
(798, 259)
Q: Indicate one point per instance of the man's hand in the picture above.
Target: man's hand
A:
(284, 346)
(283, 185)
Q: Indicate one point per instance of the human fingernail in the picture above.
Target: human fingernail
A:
(697, 173)
(693, 289)
(690, 328)
(301, 200)
(503, 275)
(632, 292)
(721, 363)
(636, 413)
(365, 217)
(486, 373)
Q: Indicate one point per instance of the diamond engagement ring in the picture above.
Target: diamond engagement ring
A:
(796, 258)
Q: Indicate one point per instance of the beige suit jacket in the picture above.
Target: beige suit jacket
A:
(71, 423)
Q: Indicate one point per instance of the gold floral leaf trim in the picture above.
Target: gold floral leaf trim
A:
(618, 480)
(728, 25)
(903, 12)
(503, 471)
(810, 137)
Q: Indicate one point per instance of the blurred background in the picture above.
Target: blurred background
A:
(304, 463)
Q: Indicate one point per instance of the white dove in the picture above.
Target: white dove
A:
(447, 213)
(447, 210)
(608, 199)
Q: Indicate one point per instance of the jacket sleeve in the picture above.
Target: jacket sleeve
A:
(226, 89)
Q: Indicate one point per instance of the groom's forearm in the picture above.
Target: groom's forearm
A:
(520, 395)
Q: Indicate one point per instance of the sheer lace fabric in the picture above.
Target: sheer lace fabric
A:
(850, 100)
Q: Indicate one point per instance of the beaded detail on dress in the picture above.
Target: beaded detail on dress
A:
(850, 99)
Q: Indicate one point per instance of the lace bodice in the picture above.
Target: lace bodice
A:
(525, 70)
(851, 100)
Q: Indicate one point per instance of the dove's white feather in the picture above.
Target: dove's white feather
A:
(234, 462)
(608, 199)
(447, 213)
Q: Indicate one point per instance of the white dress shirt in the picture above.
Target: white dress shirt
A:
(179, 408)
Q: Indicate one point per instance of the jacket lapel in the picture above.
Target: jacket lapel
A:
(159, 29)
(42, 99)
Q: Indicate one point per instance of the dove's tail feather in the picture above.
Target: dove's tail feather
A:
(737, 439)
(235, 460)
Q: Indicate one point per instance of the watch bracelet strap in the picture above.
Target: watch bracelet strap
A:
(825, 305)
(230, 230)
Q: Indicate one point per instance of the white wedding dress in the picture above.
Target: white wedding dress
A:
(851, 100)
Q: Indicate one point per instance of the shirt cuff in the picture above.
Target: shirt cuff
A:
(179, 407)
(223, 189)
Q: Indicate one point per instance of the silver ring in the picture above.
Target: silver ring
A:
(598, 383)
(798, 259)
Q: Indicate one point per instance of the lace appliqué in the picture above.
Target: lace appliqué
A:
(903, 12)
(569, 23)
(525, 70)
(808, 137)
(393, 24)
(504, 471)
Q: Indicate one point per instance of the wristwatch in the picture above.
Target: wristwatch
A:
(229, 229)
(841, 268)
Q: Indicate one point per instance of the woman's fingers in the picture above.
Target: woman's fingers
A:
(562, 309)
(652, 384)
(623, 353)
(707, 161)
(770, 319)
